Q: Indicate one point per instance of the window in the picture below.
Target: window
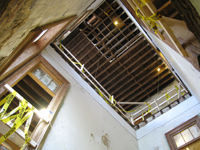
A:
(184, 135)
(40, 76)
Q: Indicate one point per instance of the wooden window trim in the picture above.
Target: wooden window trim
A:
(41, 128)
(169, 135)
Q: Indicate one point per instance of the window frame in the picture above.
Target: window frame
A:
(41, 128)
(169, 135)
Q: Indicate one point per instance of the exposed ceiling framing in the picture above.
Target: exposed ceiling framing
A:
(117, 54)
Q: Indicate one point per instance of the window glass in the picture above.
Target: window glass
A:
(52, 86)
(39, 73)
(179, 140)
(195, 130)
(187, 135)
(46, 79)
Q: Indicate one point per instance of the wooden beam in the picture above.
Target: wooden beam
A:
(168, 31)
(110, 87)
(95, 28)
(134, 94)
(142, 84)
(37, 89)
(18, 50)
(129, 66)
(113, 70)
(128, 45)
(145, 14)
(108, 51)
(151, 90)
(104, 39)
(137, 81)
(29, 95)
(164, 6)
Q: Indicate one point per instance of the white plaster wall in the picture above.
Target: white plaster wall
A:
(84, 117)
(153, 134)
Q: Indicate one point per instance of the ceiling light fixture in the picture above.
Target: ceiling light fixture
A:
(158, 69)
(116, 23)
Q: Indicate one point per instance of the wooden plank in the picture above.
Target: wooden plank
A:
(142, 84)
(37, 89)
(164, 6)
(129, 66)
(168, 31)
(119, 93)
(29, 95)
(113, 70)
(151, 90)
(124, 77)
(146, 15)
(133, 7)
(41, 84)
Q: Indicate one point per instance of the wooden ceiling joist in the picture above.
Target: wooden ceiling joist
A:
(135, 93)
(151, 90)
(129, 66)
(139, 81)
(129, 44)
(125, 85)
(135, 69)
(138, 91)
(116, 68)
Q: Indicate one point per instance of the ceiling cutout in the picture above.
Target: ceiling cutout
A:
(116, 53)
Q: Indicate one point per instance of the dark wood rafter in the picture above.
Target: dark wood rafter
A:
(96, 37)
(152, 89)
(92, 30)
(37, 88)
(142, 84)
(129, 44)
(127, 60)
(29, 95)
(129, 66)
(113, 48)
(135, 69)
(126, 86)
(164, 6)
(111, 32)
(138, 91)
(99, 50)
